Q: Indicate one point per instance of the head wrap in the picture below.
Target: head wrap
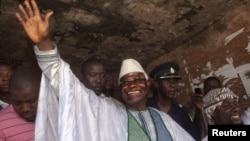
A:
(214, 98)
(130, 65)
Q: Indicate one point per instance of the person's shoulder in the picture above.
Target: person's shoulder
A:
(175, 129)
(161, 113)
(7, 114)
(112, 102)
(179, 112)
(6, 110)
(205, 138)
(179, 107)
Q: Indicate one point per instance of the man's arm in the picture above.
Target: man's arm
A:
(67, 110)
(36, 27)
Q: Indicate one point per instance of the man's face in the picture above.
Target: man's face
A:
(134, 88)
(167, 87)
(5, 73)
(228, 113)
(25, 101)
(94, 77)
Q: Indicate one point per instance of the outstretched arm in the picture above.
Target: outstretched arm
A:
(36, 27)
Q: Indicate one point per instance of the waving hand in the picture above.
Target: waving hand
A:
(36, 27)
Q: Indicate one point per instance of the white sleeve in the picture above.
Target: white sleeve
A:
(68, 111)
(61, 101)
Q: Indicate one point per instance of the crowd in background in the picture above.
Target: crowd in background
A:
(61, 106)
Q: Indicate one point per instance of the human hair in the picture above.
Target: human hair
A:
(92, 60)
(12, 64)
(25, 76)
(210, 83)
(212, 78)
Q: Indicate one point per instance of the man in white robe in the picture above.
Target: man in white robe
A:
(68, 111)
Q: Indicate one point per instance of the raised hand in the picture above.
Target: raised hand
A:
(36, 27)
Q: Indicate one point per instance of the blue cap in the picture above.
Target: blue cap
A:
(165, 70)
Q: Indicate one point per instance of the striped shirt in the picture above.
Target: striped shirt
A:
(14, 128)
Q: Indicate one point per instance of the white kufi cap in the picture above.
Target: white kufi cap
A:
(131, 65)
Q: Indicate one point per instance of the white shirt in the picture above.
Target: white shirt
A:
(3, 104)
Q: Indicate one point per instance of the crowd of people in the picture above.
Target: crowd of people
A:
(52, 104)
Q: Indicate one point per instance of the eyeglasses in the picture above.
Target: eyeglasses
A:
(134, 81)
